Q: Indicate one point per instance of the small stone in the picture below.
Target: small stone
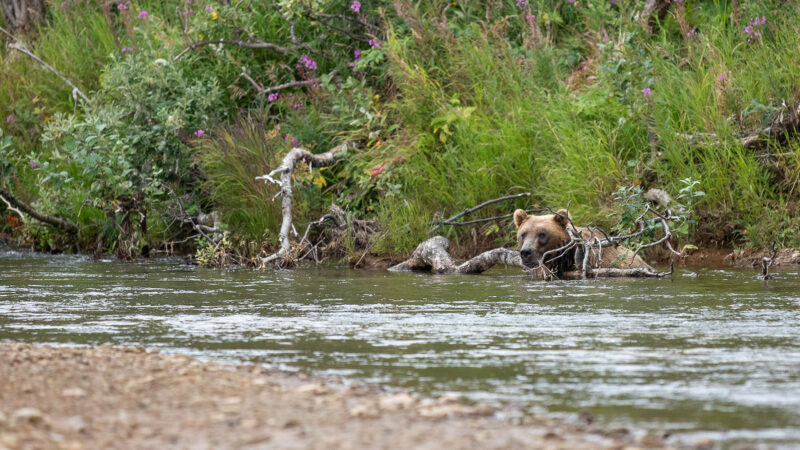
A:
(395, 402)
(364, 410)
(73, 392)
(553, 435)
(313, 388)
(77, 424)
(704, 444)
(291, 423)
(650, 441)
(29, 415)
(446, 410)
(448, 398)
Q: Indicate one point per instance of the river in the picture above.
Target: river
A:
(706, 353)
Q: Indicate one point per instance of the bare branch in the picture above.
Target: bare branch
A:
(45, 218)
(255, 44)
(767, 262)
(451, 220)
(19, 46)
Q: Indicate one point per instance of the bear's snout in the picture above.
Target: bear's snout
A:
(527, 256)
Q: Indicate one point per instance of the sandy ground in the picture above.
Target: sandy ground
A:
(117, 397)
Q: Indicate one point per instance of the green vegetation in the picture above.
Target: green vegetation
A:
(446, 104)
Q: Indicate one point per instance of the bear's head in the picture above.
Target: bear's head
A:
(539, 234)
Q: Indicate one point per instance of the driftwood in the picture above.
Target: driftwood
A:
(432, 256)
(285, 170)
(44, 218)
(19, 46)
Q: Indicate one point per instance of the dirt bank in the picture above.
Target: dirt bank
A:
(112, 397)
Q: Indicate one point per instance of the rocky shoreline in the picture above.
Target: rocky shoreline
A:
(123, 397)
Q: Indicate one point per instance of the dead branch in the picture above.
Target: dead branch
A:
(19, 46)
(451, 220)
(285, 170)
(253, 44)
(767, 262)
(45, 218)
(261, 90)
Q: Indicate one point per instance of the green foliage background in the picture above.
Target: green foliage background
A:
(448, 104)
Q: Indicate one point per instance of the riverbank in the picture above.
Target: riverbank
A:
(123, 397)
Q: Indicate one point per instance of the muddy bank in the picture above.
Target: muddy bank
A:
(113, 397)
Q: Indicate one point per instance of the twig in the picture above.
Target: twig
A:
(19, 46)
(475, 208)
(489, 219)
(255, 44)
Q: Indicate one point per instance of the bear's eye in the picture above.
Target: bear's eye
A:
(542, 235)
(523, 235)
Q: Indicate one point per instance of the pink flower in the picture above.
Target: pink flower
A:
(722, 78)
(199, 133)
(143, 14)
(374, 43)
(33, 164)
(355, 6)
(309, 63)
(10, 119)
(126, 50)
(530, 18)
(272, 97)
(208, 9)
(646, 92)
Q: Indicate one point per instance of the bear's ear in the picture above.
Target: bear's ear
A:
(561, 217)
(519, 216)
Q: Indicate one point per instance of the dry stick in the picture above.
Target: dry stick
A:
(51, 220)
(489, 219)
(256, 44)
(19, 46)
(475, 208)
(286, 169)
(767, 262)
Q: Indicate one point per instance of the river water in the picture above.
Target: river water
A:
(707, 353)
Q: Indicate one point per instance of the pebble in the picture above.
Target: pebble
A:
(77, 424)
(29, 415)
(395, 402)
(364, 410)
(73, 392)
(704, 444)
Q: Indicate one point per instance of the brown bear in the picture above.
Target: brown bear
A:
(539, 234)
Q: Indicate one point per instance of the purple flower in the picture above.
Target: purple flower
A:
(522, 3)
(272, 97)
(646, 92)
(722, 78)
(613, 2)
(143, 14)
(530, 18)
(126, 50)
(10, 119)
(349, 197)
(692, 32)
(199, 133)
(309, 63)
(357, 53)
(33, 164)
(64, 4)
(208, 9)
(189, 12)
(124, 6)
(355, 6)
(570, 1)
(374, 43)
